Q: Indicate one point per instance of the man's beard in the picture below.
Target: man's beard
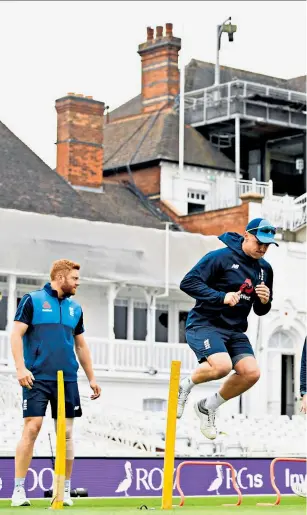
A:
(68, 290)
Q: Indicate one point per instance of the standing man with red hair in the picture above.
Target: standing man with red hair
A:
(48, 331)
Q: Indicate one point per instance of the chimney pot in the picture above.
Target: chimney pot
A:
(169, 30)
(79, 95)
(159, 32)
(150, 34)
(71, 94)
(160, 84)
(89, 97)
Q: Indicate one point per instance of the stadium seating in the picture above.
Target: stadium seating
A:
(109, 431)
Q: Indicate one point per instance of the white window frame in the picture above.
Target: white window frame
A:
(155, 402)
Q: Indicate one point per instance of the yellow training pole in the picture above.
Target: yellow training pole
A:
(169, 454)
(60, 460)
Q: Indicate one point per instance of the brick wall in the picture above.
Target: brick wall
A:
(160, 74)
(80, 139)
(216, 222)
(147, 179)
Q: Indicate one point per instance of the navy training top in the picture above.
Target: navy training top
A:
(222, 271)
(48, 343)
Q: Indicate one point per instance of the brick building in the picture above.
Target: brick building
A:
(136, 147)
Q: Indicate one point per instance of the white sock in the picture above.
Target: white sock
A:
(67, 485)
(187, 383)
(215, 401)
(19, 482)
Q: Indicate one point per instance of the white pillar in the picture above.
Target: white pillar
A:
(11, 310)
(111, 296)
(130, 319)
(173, 322)
(152, 339)
(237, 155)
(151, 325)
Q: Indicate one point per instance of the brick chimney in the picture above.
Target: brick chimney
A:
(160, 74)
(79, 140)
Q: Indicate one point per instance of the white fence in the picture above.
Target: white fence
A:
(127, 355)
(285, 212)
(261, 188)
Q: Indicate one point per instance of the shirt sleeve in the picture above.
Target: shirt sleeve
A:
(79, 329)
(24, 311)
(303, 381)
(199, 282)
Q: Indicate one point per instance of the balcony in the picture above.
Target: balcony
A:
(127, 355)
(251, 101)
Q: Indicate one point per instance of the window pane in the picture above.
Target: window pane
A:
(161, 326)
(120, 322)
(195, 208)
(3, 313)
(154, 404)
(140, 324)
(182, 321)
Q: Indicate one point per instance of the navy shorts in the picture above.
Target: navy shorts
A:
(208, 340)
(35, 401)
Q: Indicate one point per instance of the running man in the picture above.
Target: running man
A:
(226, 283)
(48, 327)
(300, 489)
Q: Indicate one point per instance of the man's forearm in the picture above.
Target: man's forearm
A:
(84, 356)
(17, 350)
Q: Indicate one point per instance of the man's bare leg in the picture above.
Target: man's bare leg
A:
(69, 467)
(218, 365)
(24, 453)
(247, 374)
(24, 450)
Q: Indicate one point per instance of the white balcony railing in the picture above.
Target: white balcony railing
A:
(262, 188)
(127, 355)
(287, 213)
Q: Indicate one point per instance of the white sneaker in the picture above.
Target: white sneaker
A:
(182, 399)
(67, 501)
(19, 497)
(299, 489)
(207, 419)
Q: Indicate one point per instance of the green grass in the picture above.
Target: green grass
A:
(196, 505)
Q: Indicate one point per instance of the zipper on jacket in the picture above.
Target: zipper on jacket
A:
(60, 304)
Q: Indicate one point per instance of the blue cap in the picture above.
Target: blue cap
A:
(263, 230)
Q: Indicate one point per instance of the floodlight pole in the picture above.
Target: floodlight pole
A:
(218, 47)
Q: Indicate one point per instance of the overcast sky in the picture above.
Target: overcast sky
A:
(51, 48)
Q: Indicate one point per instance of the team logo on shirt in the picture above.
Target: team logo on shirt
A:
(246, 289)
(71, 311)
(207, 344)
(46, 307)
(247, 286)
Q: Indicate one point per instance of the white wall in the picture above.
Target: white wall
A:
(94, 304)
(174, 187)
